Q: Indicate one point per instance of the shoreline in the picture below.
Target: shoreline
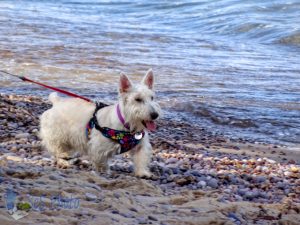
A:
(200, 177)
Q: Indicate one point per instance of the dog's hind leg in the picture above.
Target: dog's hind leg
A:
(61, 152)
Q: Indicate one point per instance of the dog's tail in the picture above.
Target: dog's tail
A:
(53, 97)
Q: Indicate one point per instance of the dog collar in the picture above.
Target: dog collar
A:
(126, 139)
(121, 118)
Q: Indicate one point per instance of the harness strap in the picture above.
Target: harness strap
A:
(126, 139)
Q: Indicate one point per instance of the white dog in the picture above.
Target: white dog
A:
(64, 126)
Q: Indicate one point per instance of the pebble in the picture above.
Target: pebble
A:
(201, 184)
(171, 161)
(213, 183)
(90, 197)
(115, 212)
(234, 217)
(184, 180)
(195, 173)
(142, 220)
(117, 195)
(260, 179)
(242, 192)
(133, 209)
(22, 135)
(55, 177)
(15, 158)
(152, 218)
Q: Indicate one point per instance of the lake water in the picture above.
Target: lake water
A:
(230, 66)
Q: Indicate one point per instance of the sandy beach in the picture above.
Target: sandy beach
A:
(200, 178)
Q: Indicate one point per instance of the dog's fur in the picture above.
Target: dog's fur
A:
(63, 127)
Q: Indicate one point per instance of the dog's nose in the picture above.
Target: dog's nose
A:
(154, 115)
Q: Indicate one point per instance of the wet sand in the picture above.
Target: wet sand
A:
(200, 178)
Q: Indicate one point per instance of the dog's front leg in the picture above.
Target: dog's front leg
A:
(100, 151)
(141, 158)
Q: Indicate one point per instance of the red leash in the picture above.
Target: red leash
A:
(47, 86)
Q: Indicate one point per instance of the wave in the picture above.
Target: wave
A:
(213, 114)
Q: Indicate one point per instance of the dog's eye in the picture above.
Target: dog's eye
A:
(152, 98)
(138, 99)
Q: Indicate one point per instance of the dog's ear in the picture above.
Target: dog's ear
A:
(125, 83)
(148, 79)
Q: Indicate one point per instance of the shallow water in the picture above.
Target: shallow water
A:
(231, 66)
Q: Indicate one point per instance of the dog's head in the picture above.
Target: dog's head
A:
(138, 101)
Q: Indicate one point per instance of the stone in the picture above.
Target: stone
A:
(184, 180)
(294, 169)
(142, 220)
(175, 170)
(201, 184)
(133, 209)
(213, 183)
(260, 179)
(115, 212)
(90, 197)
(171, 160)
(250, 195)
(22, 135)
(242, 191)
(234, 217)
(196, 173)
(271, 161)
(55, 177)
(15, 158)
(152, 218)
(117, 195)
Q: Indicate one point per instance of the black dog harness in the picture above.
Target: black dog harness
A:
(126, 139)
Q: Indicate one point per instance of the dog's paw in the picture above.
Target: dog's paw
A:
(143, 174)
(63, 164)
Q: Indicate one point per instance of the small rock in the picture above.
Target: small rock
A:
(90, 197)
(15, 158)
(201, 184)
(271, 161)
(22, 151)
(142, 220)
(22, 135)
(117, 195)
(185, 180)
(55, 177)
(196, 173)
(295, 169)
(115, 212)
(171, 161)
(152, 218)
(227, 191)
(242, 191)
(10, 172)
(234, 217)
(213, 183)
(133, 209)
(260, 179)
(175, 170)
(249, 195)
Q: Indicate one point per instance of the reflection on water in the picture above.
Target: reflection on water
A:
(230, 65)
